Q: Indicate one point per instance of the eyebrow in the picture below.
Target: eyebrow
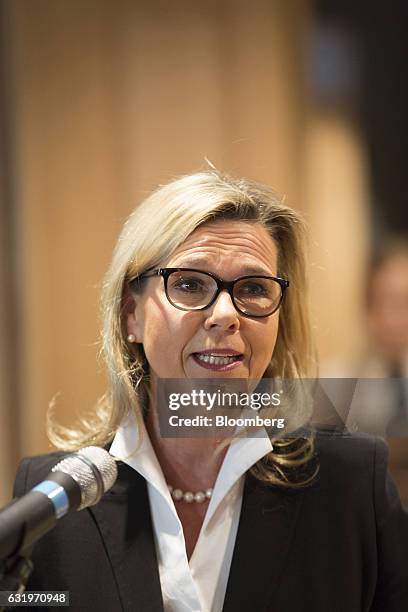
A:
(203, 265)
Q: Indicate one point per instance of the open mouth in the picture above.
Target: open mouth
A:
(216, 361)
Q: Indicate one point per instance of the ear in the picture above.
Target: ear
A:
(133, 314)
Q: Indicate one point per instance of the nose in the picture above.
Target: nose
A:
(222, 314)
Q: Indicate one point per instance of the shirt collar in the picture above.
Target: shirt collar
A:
(133, 447)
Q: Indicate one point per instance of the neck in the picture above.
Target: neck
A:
(187, 463)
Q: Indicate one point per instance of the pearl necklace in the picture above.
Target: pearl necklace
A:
(189, 496)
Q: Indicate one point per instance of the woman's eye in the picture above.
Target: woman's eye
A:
(253, 289)
(188, 285)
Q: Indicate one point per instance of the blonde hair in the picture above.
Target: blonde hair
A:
(152, 232)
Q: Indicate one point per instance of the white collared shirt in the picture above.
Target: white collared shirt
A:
(198, 585)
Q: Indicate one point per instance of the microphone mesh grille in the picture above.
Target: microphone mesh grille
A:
(95, 471)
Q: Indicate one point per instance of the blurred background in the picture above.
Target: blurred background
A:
(102, 100)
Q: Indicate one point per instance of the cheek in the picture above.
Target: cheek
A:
(166, 333)
(266, 340)
(270, 333)
(156, 327)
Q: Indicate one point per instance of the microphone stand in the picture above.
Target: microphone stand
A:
(15, 572)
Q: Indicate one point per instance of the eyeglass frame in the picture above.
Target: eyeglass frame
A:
(221, 286)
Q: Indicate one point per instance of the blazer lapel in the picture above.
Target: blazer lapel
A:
(123, 518)
(265, 532)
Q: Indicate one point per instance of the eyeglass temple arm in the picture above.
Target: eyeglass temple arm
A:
(145, 275)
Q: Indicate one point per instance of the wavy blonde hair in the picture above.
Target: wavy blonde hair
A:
(151, 233)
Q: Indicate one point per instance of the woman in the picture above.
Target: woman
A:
(196, 291)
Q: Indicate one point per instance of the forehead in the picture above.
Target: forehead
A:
(240, 245)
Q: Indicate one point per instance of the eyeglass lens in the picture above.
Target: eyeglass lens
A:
(254, 296)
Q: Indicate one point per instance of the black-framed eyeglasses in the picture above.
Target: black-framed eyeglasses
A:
(190, 289)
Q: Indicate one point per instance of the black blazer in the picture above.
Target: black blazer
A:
(340, 545)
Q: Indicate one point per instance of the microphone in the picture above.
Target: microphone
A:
(79, 480)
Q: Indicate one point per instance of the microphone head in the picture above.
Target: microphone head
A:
(94, 470)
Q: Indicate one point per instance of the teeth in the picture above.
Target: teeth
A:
(216, 360)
